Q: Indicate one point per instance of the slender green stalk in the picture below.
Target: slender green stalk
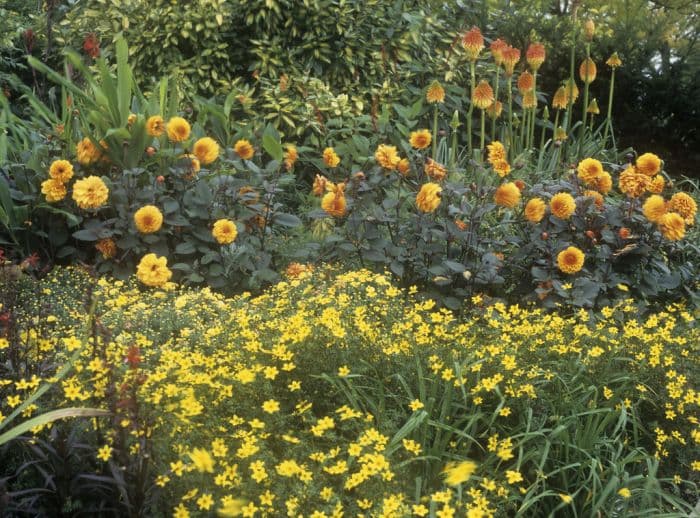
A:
(545, 119)
(454, 125)
(472, 69)
(591, 125)
(531, 136)
(572, 66)
(495, 100)
(608, 120)
(483, 130)
(511, 140)
(585, 100)
(524, 129)
(435, 131)
(556, 122)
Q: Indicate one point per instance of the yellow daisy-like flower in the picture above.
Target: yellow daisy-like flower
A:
(334, 202)
(496, 152)
(535, 210)
(435, 170)
(224, 231)
(648, 164)
(501, 167)
(562, 205)
(104, 453)
(206, 150)
(244, 149)
(387, 157)
(86, 152)
(153, 271)
(202, 460)
(483, 95)
(435, 93)
(404, 166)
(90, 192)
(684, 205)
(507, 195)
(672, 226)
(178, 129)
(148, 219)
(330, 158)
(456, 473)
(654, 207)
(428, 198)
(625, 492)
(155, 126)
(54, 190)
(61, 170)
(570, 260)
(589, 169)
(420, 139)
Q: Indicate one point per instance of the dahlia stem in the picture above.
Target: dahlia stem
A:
(435, 131)
(608, 120)
(483, 130)
(495, 100)
(472, 68)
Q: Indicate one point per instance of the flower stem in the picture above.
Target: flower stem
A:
(472, 68)
(495, 100)
(585, 101)
(435, 131)
(510, 116)
(483, 122)
(608, 120)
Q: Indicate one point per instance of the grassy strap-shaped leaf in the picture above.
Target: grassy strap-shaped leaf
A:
(49, 417)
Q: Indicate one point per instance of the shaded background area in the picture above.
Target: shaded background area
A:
(376, 49)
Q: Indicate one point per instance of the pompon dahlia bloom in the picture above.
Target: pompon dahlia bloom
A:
(473, 43)
(602, 183)
(86, 152)
(435, 170)
(334, 202)
(90, 192)
(632, 183)
(194, 166)
(502, 168)
(535, 210)
(244, 149)
(435, 93)
(684, 205)
(656, 184)
(560, 101)
(387, 156)
(570, 260)
(61, 170)
(654, 207)
(494, 111)
(107, 247)
(291, 155)
(330, 158)
(224, 231)
(614, 61)
(54, 190)
(587, 71)
(672, 226)
(529, 100)
(483, 95)
(155, 126)
(589, 169)
(535, 55)
(526, 82)
(153, 271)
(562, 205)
(507, 195)
(321, 185)
(597, 198)
(428, 198)
(148, 219)
(178, 129)
(511, 56)
(420, 139)
(206, 150)
(497, 47)
(648, 164)
(404, 166)
(496, 152)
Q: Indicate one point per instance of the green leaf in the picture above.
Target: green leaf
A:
(271, 143)
(49, 417)
(287, 220)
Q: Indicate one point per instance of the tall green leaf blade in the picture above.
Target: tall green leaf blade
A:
(49, 417)
(124, 81)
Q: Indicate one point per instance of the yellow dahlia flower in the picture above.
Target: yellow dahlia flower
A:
(656, 184)
(632, 183)
(86, 152)
(155, 126)
(420, 139)
(404, 166)
(428, 198)
(387, 156)
(534, 210)
(90, 192)
(570, 260)
(496, 151)
(153, 271)
(330, 158)
(654, 207)
(648, 164)
(178, 129)
(224, 231)
(54, 190)
(597, 198)
(435, 170)
(206, 150)
(61, 170)
(507, 195)
(684, 205)
(148, 219)
(589, 169)
(562, 205)
(672, 226)
(244, 149)
(501, 167)
(107, 247)
(334, 202)
(603, 183)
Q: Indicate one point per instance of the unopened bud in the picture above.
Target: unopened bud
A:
(544, 236)
(160, 179)
(150, 151)
(589, 29)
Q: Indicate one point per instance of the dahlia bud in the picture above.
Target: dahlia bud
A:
(589, 29)
(160, 178)
(150, 151)
(624, 233)
(544, 236)
(590, 234)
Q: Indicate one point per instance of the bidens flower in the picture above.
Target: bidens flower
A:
(148, 219)
(203, 462)
(457, 473)
(90, 192)
(244, 149)
(178, 129)
(428, 198)
(206, 150)
(224, 231)
(570, 260)
(153, 271)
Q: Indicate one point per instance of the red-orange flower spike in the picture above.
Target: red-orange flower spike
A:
(511, 56)
(535, 55)
(526, 82)
(497, 47)
(473, 43)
